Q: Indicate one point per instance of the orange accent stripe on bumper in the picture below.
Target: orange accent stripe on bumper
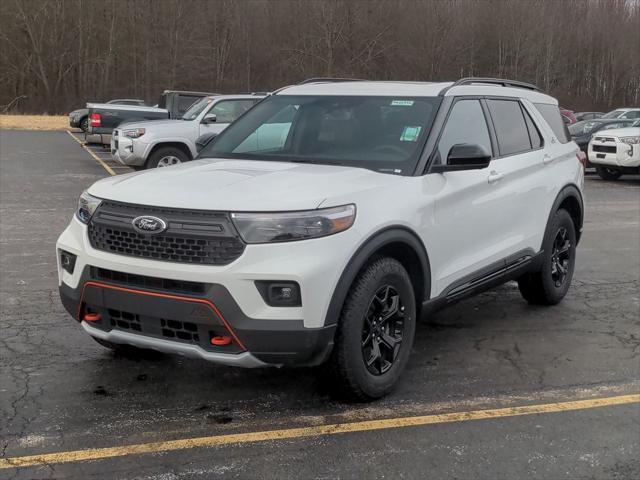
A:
(202, 301)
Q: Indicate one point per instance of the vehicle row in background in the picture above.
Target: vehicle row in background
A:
(104, 117)
(169, 142)
(616, 152)
(80, 118)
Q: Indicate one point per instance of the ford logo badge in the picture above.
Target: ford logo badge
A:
(149, 224)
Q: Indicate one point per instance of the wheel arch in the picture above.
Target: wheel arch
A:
(570, 199)
(396, 242)
(175, 144)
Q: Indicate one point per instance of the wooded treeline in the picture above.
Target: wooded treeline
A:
(58, 54)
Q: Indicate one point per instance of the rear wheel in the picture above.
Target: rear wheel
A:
(166, 157)
(84, 124)
(550, 283)
(375, 332)
(607, 173)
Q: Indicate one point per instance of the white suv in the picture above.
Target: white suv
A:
(616, 152)
(320, 225)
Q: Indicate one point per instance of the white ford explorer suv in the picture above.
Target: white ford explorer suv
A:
(616, 152)
(161, 143)
(319, 226)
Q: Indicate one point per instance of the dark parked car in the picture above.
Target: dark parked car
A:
(104, 117)
(581, 132)
(588, 115)
(80, 118)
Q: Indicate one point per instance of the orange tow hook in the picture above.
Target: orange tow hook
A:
(220, 341)
(91, 317)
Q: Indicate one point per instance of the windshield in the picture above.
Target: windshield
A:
(197, 108)
(385, 134)
(613, 114)
(583, 128)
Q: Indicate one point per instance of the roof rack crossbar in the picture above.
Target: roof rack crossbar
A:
(491, 81)
(329, 80)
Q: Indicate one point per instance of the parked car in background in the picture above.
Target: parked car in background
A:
(80, 118)
(632, 113)
(104, 117)
(588, 115)
(568, 117)
(582, 132)
(616, 152)
(169, 142)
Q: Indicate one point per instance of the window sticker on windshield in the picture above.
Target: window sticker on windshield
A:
(401, 103)
(410, 134)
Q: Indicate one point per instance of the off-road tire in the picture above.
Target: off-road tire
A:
(350, 377)
(606, 173)
(540, 287)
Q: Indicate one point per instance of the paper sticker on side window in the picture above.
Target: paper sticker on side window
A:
(401, 103)
(410, 134)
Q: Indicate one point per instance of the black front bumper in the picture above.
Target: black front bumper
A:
(191, 313)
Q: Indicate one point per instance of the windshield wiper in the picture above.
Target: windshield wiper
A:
(314, 161)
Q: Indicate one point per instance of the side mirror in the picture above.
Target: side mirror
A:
(210, 118)
(203, 140)
(464, 156)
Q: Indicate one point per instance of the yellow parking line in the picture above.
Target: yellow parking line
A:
(314, 431)
(96, 158)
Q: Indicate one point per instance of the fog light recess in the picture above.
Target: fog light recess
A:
(279, 294)
(67, 261)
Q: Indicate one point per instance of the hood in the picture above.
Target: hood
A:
(240, 185)
(620, 132)
(163, 123)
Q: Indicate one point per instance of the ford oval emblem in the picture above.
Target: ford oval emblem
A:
(149, 224)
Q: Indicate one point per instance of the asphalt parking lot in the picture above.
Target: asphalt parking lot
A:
(494, 389)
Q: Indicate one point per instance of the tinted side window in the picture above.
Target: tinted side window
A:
(511, 129)
(466, 124)
(534, 133)
(551, 113)
(631, 115)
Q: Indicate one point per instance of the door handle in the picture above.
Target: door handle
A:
(494, 176)
(547, 159)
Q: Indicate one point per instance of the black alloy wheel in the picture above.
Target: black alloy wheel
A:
(382, 330)
(560, 257)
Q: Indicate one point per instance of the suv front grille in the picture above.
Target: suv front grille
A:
(191, 236)
(604, 148)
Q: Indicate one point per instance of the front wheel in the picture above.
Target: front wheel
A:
(550, 283)
(166, 157)
(375, 332)
(607, 173)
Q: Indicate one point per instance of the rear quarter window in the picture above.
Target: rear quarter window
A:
(551, 114)
(510, 125)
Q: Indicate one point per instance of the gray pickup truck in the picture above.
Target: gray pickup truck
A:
(103, 117)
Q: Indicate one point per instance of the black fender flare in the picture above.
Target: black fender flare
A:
(389, 235)
(569, 191)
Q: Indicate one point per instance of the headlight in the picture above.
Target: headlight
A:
(630, 140)
(290, 226)
(133, 132)
(86, 206)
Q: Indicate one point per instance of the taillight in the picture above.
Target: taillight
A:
(96, 120)
(582, 157)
